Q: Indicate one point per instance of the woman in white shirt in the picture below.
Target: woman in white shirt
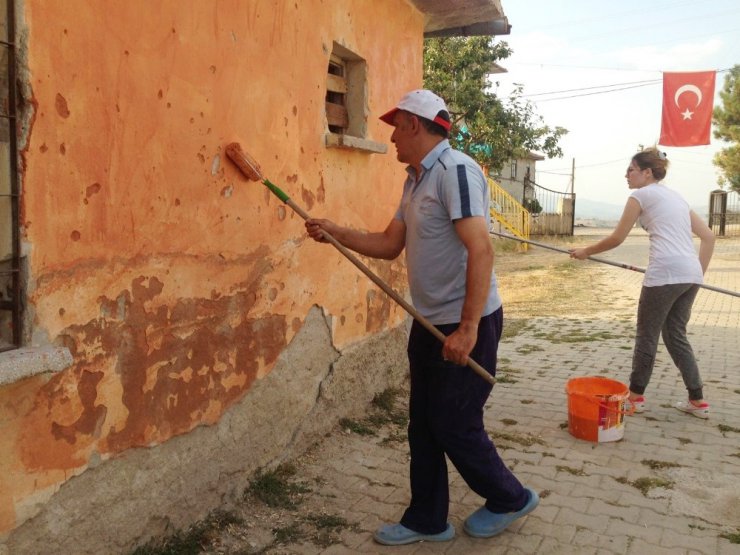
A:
(672, 277)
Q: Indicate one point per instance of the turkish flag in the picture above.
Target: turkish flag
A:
(688, 100)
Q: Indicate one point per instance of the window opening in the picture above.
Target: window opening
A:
(10, 251)
(336, 95)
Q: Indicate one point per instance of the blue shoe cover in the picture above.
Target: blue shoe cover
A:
(485, 524)
(398, 534)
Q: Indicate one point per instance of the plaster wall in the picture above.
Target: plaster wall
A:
(175, 284)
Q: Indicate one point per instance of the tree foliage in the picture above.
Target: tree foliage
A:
(726, 119)
(489, 129)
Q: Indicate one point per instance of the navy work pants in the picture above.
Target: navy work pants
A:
(446, 418)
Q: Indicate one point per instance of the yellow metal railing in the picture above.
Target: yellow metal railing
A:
(506, 210)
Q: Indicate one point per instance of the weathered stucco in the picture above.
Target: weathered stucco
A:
(174, 283)
(114, 506)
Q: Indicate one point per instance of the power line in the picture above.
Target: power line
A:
(513, 62)
(647, 81)
(599, 92)
(628, 85)
(552, 173)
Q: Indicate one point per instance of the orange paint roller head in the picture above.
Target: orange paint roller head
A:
(248, 166)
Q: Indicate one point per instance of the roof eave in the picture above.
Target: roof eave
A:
(499, 26)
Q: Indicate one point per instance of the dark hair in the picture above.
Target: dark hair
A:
(434, 128)
(653, 159)
(430, 126)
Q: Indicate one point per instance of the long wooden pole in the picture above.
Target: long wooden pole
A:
(604, 261)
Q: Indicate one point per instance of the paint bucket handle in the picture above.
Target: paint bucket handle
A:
(608, 398)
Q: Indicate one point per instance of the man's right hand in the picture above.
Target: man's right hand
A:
(316, 228)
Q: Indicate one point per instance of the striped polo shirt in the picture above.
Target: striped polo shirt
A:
(452, 186)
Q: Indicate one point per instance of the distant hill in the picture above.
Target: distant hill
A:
(594, 212)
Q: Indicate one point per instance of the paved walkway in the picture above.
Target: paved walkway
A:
(671, 485)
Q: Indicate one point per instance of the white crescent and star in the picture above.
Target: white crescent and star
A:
(692, 89)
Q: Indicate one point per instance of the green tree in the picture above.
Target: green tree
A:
(726, 118)
(489, 129)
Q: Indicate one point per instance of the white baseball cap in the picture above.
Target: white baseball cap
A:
(422, 103)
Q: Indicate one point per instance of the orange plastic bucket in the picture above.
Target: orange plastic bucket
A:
(596, 408)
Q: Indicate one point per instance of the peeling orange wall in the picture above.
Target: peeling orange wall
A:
(175, 283)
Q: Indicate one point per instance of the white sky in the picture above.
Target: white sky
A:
(587, 43)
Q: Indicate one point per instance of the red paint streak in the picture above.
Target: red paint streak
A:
(61, 106)
(308, 198)
(92, 190)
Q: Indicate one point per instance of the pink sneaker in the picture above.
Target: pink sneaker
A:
(638, 404)
(700, 411)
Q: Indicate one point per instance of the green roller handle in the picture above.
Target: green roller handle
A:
(277, 191)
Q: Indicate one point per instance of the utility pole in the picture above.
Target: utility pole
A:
(573, 177)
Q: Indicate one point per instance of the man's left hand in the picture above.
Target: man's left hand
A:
(459, 344)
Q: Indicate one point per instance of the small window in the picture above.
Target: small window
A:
(513, 169)
(346, 102)
(336, 96)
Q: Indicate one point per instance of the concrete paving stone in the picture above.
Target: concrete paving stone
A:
(431, 548)
(356, 518)
(551, 546)
(370, 522)
(383, 493)
(541, 485)
(565, 458)
(601, 507)
(545, 512)
(680, 524)
(372, 506)
(578, 481)
(471, 499)
(371, 546)
(595, 523)
(546, 472)
(528, 543)
(724, 547)
(468, 544)
(587, 538)
(563, 533)
(636, 500)
(611, 468)
(675, 540)
(458, 513)
(336, 549)
(385, 476)
(640, 547)
(613, 544)
(650, 534)
(529, 457)
(578, 504)
(604, 491)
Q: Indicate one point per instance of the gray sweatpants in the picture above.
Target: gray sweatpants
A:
(665, 308)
